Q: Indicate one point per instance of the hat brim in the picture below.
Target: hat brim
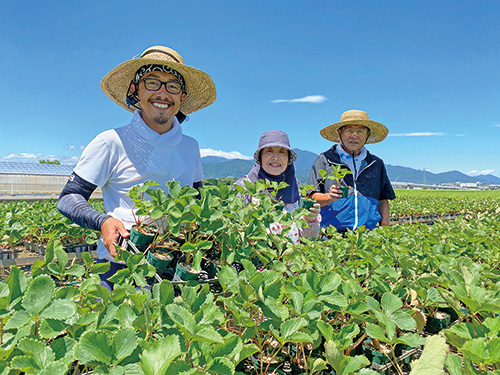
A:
(378, 131)
(291, 159)
(199, 86)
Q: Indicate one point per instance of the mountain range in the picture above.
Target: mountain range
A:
(215, 167)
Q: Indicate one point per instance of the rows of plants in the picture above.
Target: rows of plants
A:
(39, 222)
(440, 203)
(332, 305)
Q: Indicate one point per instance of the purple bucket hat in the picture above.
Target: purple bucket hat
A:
(275, 138)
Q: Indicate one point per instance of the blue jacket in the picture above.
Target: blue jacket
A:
(360, 208)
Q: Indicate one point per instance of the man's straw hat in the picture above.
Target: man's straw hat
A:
(199, 85)
(378, 132)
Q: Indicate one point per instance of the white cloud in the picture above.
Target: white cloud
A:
(223, 154)
(71, 147)
(306, 99)
(421, 134)
(460, 135)
(24, 157)
(497, 125)
(480, 173)
(82, 148)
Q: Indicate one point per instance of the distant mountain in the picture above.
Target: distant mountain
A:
(214, 159)
(404, 174)
(230, 168)
(215, 167)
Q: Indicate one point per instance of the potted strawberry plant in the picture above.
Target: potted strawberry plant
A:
(143, 232)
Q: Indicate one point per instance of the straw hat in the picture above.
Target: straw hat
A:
(199, 85)
(378, 132)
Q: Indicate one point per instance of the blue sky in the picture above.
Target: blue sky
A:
(428, 70)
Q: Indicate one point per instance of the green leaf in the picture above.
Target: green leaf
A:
(75, 270)
(326, 330)
(318, 364)
(100, 267)
(403, 320)
(124, 343)
(50, 328)
(354, 364)
(433, 357)
(166, 293)
(375, 332)
(93, 347)
(62, 257)
(25, 363)
(60, 309)
(390, 303)
(42, 354)
(454, 364)
(63, 349)
(372, 303)
(54, 368)
(126, 315)
(183, 318)
(334, 299)
(38, 294)
(221, 366)
(412, 339)
(18, 320)
(231, 344)
(291, 326)
(208, 334)
(156, 359)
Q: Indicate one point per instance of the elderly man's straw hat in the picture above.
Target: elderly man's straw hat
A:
(378, 132)
(199, 86)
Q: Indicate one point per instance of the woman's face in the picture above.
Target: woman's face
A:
(274, 160)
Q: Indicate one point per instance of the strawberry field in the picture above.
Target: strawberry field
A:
(410, 298)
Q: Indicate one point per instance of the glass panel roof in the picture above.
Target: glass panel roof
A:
(34, 168)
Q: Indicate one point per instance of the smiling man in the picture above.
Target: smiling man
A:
(160, 89)
(370, 190)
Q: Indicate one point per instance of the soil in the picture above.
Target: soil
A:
(440, 315)
(162, 255)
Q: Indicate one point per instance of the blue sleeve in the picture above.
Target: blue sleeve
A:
(73, 203)
(315, 179)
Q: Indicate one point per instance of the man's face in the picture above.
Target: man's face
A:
(158, 108)
(353, 137)
(274, 160)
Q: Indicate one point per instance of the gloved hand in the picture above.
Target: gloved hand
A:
(313, 213)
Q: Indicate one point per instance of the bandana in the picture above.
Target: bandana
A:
(143, 70)
(290, 194)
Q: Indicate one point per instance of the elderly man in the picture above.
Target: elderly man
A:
(162, 90)
(370, 190)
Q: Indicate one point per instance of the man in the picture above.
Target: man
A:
(370, 190)
(161, 89)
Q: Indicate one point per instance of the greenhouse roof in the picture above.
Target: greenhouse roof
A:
(35, 169)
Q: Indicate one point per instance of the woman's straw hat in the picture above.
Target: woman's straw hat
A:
(199, 86)
(378, 132)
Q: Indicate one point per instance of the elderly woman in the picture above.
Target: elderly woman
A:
(274, 162)
(370, 190)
